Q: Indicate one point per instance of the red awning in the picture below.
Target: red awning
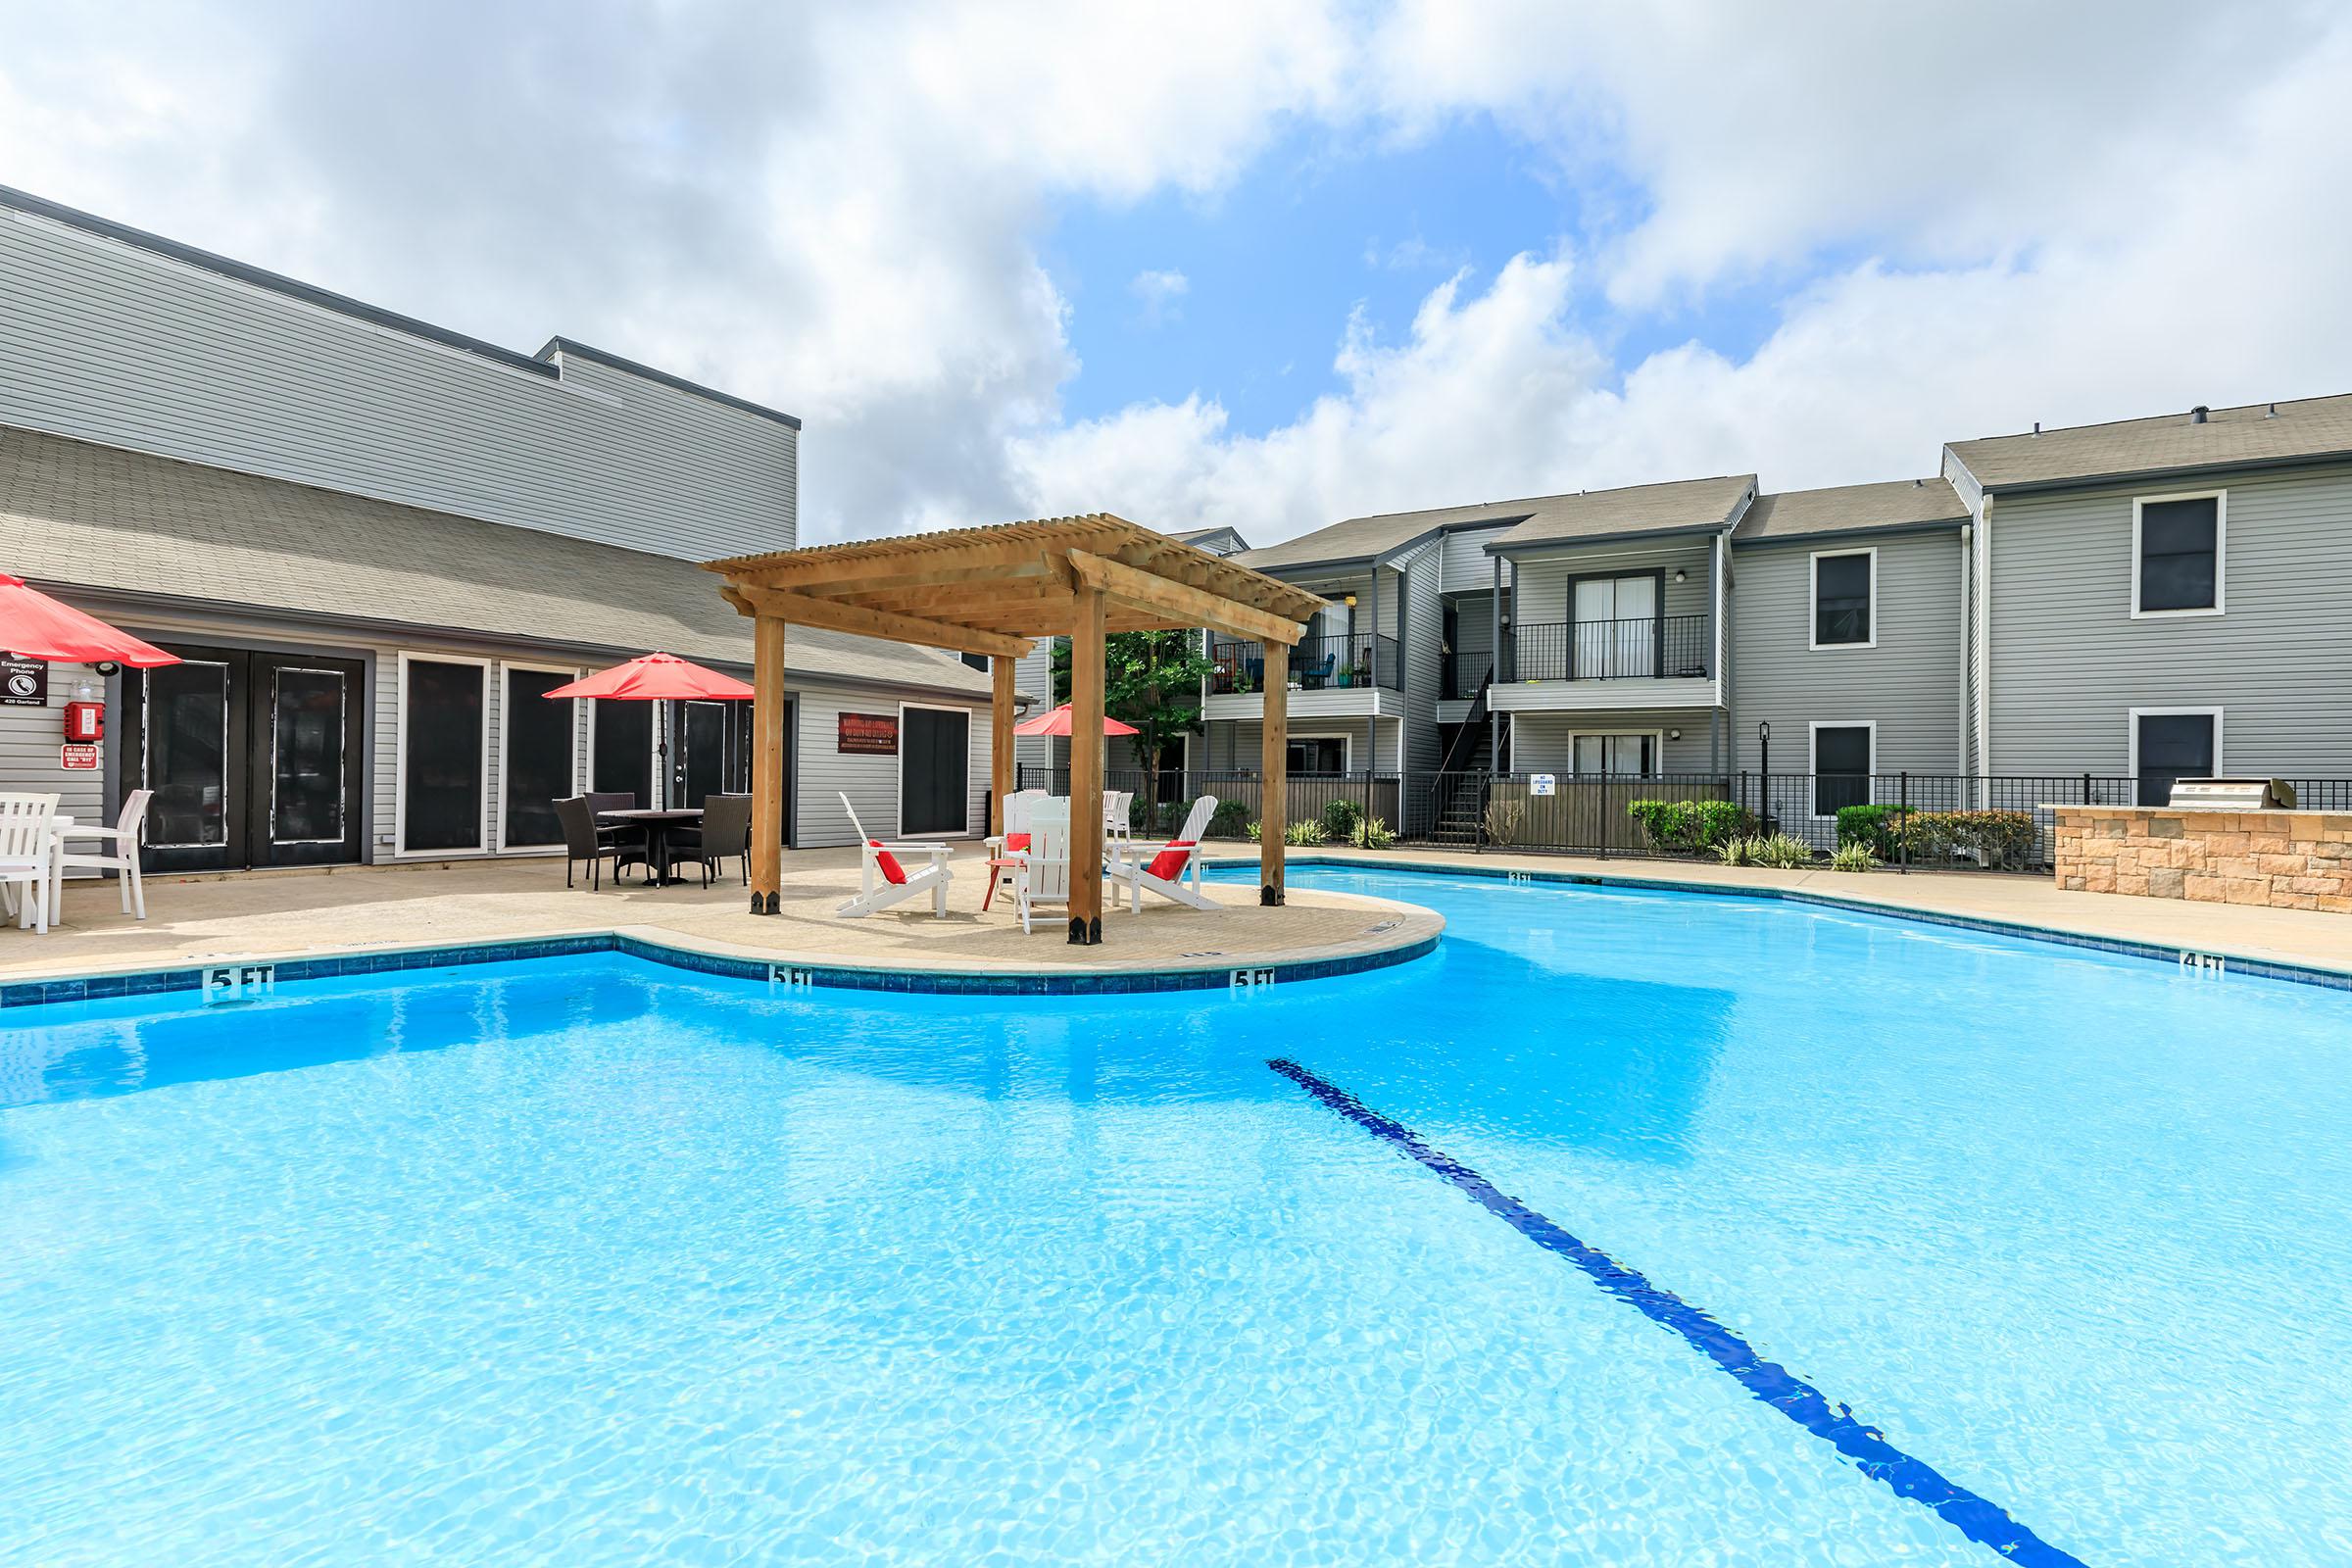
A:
(657, 678)
(1056, 722)
(34, 625)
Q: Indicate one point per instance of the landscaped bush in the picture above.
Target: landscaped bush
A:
(1853, 857)
(1686, 827)
(1306, 835)
(1874, 827)
(1505, 817)
(1340, 819)
(1783, 853)
(1737, 852)
(1230, 820)
(1993, 839)
(1374, 834)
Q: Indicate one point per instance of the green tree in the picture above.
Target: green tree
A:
(1152, 680)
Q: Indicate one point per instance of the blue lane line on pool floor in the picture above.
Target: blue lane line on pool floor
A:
(1769, 1382)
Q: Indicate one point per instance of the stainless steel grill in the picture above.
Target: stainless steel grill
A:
(2233, 795)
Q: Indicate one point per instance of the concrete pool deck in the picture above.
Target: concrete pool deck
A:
(269, 914)
(208, 919)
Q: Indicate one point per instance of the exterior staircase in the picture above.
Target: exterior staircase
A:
(1458, 808)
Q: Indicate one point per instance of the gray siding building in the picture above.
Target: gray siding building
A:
(375, 543)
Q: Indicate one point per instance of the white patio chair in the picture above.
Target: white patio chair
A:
(884, 880)
(1001, 846)
(122, 858)
(1168, 872)
(1043, 875)
(1119, 815)
(27, 857)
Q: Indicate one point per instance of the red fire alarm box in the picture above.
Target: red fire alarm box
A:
(85, 722)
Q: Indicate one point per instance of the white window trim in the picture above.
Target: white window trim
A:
(506, 740)
(1813, 601)
(971, 741)
(400, 758)
(2131, 740)
(1345, 737)
(1657, 744)
(2220, 558)
(1813, 759)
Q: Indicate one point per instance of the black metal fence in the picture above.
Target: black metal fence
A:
(1996, 822)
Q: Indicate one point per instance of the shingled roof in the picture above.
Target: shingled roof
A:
(1850, 509)
(2259, 434)
(73, 515)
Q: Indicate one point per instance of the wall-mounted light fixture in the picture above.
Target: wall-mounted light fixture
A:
(1679, 575)
(1351, 601)
(1674, 734)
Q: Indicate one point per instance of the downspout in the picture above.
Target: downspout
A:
(1985, 640)
(1495, 676)
(1372, 661)
(1968, 615)
(1726, 598)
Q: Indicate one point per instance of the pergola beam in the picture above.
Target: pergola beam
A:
(1183, 605)
(830, 614)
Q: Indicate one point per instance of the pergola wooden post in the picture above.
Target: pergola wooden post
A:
(1274, 775)
(995, 591)
(1004, 776)
(767, 762)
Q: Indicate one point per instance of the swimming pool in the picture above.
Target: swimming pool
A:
(591, 1261)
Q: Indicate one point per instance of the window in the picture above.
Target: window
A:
(1842, 761)
(2173, 743)
(2176, 556)
(1316, 754)
(978, 661)
(1624, 756)
(536, 733)
(621, 758)
(1843, 590)
(443, 715)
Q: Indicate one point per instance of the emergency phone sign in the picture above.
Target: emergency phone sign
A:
(77, 758)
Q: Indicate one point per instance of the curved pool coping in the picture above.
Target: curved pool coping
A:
(2238, 963)
(1411, 931)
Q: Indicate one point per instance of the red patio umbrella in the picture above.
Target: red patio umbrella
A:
(656, 678)
(1056, 722)
(34, 625)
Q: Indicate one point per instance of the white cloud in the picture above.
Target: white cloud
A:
(1161, 293)
(2060, 214)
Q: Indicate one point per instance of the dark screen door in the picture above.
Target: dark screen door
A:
(2173, 746)
(623, 758)
(706, 767)
(1840, 768)
(934, 771)
(442, 777)
(537, 733)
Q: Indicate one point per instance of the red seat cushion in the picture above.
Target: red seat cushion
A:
(887, 863)
(1168, 863)
(1015, 841)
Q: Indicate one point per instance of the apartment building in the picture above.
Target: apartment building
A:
(2137, 602)
(374, 542)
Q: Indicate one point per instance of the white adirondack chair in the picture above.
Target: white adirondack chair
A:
(1043, 875)
(1001, 846)
(1118, 816)
(1174, 872)
(121, 854)
(884, 880)
(29, 856)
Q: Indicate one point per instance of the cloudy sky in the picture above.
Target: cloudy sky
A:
(1270, 263)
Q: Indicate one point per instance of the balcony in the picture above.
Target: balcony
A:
(1649, 648)
(1317, 664)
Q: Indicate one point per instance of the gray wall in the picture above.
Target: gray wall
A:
(1542, 586)
(2068, 663)
(1541, 743)
(116, 345)
(1909, 684)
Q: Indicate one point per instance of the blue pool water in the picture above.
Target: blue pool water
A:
(590, 1261)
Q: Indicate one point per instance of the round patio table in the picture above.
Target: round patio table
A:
(658, 825)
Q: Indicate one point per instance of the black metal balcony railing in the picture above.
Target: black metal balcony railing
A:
(1317, 664)
(1462, 675)
(1645, 648)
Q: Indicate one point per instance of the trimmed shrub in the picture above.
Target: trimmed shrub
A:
(1992, 839)
(1687, 827)
(1853, 857)
(1876, 827)
(1230, 820)
(1340, 819)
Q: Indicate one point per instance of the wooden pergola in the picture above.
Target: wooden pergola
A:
(996, 591)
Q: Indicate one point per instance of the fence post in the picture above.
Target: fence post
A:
(2086, 789)
(1902, 826)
